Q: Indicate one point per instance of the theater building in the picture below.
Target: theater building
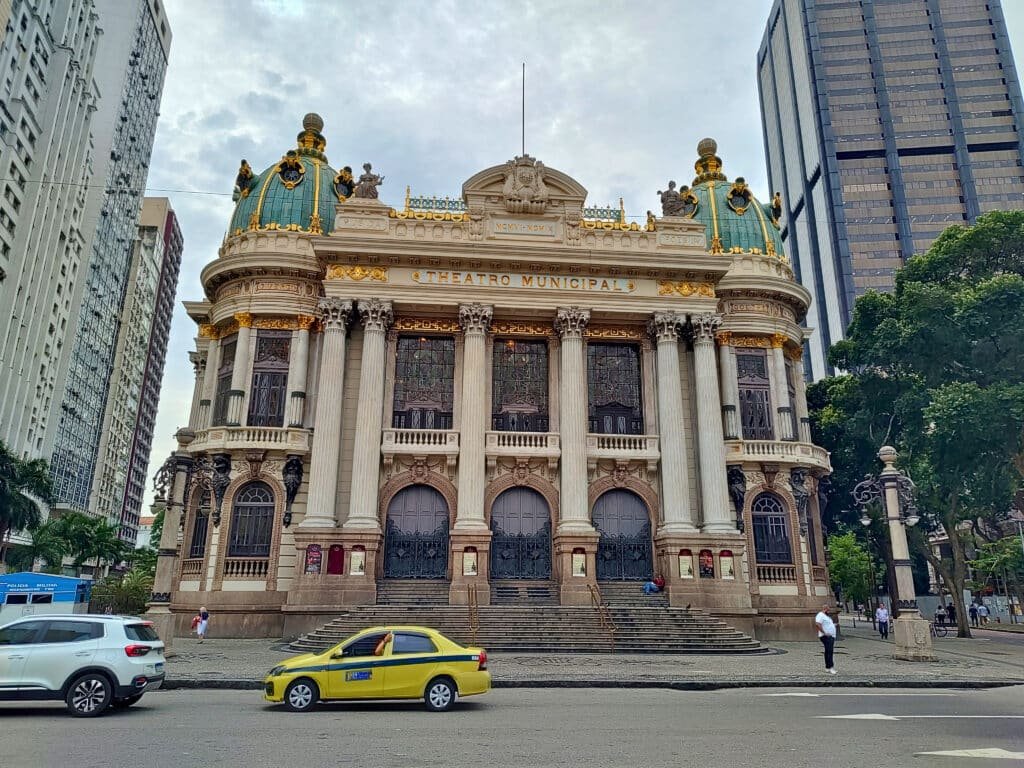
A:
(508, 388)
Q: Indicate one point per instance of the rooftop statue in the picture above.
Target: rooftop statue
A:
(524, 189)
(243, 180)
(671, 202)
(366, 187)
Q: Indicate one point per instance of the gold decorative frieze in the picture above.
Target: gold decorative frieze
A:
(207, 331)
(507, 328)
(305, 322)
(762, 342)
(683, 288)
(627, 332)
(724, 338)
(523, 280)
(276, 323)
(244, 319)
(263, 285)
(779, 340)
(356, 272)
(434, 325)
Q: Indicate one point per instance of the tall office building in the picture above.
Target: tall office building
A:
(127, 433)
(885, 121)
(130, 69)
(47, 102)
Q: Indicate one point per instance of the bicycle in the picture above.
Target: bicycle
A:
(938, 630)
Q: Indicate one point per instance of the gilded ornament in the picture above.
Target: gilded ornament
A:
(437, 326)
(207, 331)
(779, 340)
(685, 289)
(795, 354)
(244, 319)
(356, 272)
(243, 182)
(761, 342)
(305, 322)
(520, 329)
(632, 333)
(275, 323)
(291, 170)
(724, 338)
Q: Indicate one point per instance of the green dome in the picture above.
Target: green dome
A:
(735, 220)
(298, 193)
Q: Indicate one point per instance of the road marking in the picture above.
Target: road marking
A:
(994, 753)
(875, 716)
(859, 693)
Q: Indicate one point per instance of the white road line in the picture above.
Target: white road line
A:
(872, 694)
(876, 716)
(994, 753)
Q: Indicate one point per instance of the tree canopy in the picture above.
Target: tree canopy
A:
(24, 486)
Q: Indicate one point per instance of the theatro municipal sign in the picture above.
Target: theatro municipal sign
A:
(520, 280)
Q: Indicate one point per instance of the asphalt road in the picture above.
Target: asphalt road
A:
(597, 728)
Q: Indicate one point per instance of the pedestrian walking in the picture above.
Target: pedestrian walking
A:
(882, 617)
(983, 614)
(951, 614)
(204, 623)
(940, 615)
(827, 635)
(973, 613)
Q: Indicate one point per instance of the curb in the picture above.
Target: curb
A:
(675, 685)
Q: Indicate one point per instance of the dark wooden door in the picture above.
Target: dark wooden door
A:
(416, 535)
(520, 535)
(624, 549)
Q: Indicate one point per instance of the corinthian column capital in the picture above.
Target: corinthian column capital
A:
(198, 361)
(377, 315)
(334, 312)
(664, 326)
(571, 322)
(475, 318)
(704, 327)
(244, 319)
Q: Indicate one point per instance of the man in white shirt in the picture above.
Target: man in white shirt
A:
(882, 617)
(827, 634)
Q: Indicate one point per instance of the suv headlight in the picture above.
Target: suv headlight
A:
(276, 671)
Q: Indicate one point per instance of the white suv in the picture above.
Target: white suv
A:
(89, 661)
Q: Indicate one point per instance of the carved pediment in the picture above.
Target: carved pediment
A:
(523, 185)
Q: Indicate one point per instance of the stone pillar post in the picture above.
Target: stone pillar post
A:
(323, 467)
(711, 448)
(730, 387)
(198, 360)
(240, 373)
(377, 317)
(575, 512)
(802, 418)
(780, 387)
(675, 481)
(209, 390)
(475, 320)
(298, 365)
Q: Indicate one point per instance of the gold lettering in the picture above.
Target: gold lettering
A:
(442, 277)
(527, 281)
(456, 278)
(505, 280)
(604, 285)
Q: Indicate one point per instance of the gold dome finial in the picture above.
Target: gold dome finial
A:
(707, 147)
(310, 140)
(313, 121)
(709, 164)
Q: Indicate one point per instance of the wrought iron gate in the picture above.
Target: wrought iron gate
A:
(521, 555)
(624, 549)
(416, 535)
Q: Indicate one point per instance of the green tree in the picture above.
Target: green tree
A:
(47, 545)
(123, 593)
(943, 357)
(849, 567)
(91, 538)
(24, 487)
(1002, 559)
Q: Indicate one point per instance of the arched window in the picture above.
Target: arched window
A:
(200, 523)
(771, 530)
(252, 517)
(614, 390)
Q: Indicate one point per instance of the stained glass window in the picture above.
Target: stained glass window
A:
(519, 401)
(613, 387)
(224, 371)
(252, 517)
(197, 547)
(755, 402)
(269, 379)
(771, 530)
(424, 382)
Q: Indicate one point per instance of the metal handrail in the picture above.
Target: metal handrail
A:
(604, 616)
(474, 612)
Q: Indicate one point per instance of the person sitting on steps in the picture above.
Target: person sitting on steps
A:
(655, 585)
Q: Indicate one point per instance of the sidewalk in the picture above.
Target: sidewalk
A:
(862, 659)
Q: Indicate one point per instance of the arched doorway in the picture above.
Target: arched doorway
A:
(520, 535)
(624, 549)
(416, 535)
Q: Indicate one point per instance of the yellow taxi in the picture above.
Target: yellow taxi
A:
(400, 662)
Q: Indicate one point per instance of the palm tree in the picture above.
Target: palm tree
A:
(25, 487)
(48, 544)
(91, 538)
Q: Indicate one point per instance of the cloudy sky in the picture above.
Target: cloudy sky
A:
(617, 95)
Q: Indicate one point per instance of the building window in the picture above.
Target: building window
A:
(252, 517)
(613, 389)
(224, 372)
(269, 379)
(197, 546)
(771, 530)
(424, 382)
(520, 389)
(755, 402)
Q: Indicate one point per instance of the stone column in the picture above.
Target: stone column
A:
(711, 448)
(802, 417)
(475, 320)
(575, 508)
(323, 466)
(377, 317)
(240, 373)
(730, 387)
(209, 390)
(198, 360)
(299, 364)
(675, 481)
(780, 387)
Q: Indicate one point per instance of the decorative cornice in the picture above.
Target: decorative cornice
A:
(779, 340)
(705, 325)
(356, 272)
(683, 288)
(571, 322)
(377, 315)
(434, 325)
(334, 313)
(244, 319)
(664, 326)
(305, 322)
(620, 332)
(760, 342)
(507, 328)
(724, 338)
(475, 318)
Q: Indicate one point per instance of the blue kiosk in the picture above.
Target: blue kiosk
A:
(25, 593)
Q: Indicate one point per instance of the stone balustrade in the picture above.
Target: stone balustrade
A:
(192, 567)
(776, 574)
(246, 568)
(522, 445)
(420, 442)
(781, 451)
(645, 448)
(226, 439)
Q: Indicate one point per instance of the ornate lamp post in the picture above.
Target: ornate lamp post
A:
(896, 491)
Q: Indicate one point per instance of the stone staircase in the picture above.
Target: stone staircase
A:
(524, 593)
(641, 624)
(630, 593)
(412, 592)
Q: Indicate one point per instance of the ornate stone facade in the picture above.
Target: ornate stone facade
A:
(570, 382)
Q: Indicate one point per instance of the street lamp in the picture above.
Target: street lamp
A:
(896, 491)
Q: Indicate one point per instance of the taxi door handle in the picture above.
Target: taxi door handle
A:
(84, 653)
(13, 657)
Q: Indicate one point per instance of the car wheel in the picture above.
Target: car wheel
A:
(440, 695)
(125, 703)
(301, 695)
(89, 695)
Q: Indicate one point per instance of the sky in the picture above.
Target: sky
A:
(617, 96)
